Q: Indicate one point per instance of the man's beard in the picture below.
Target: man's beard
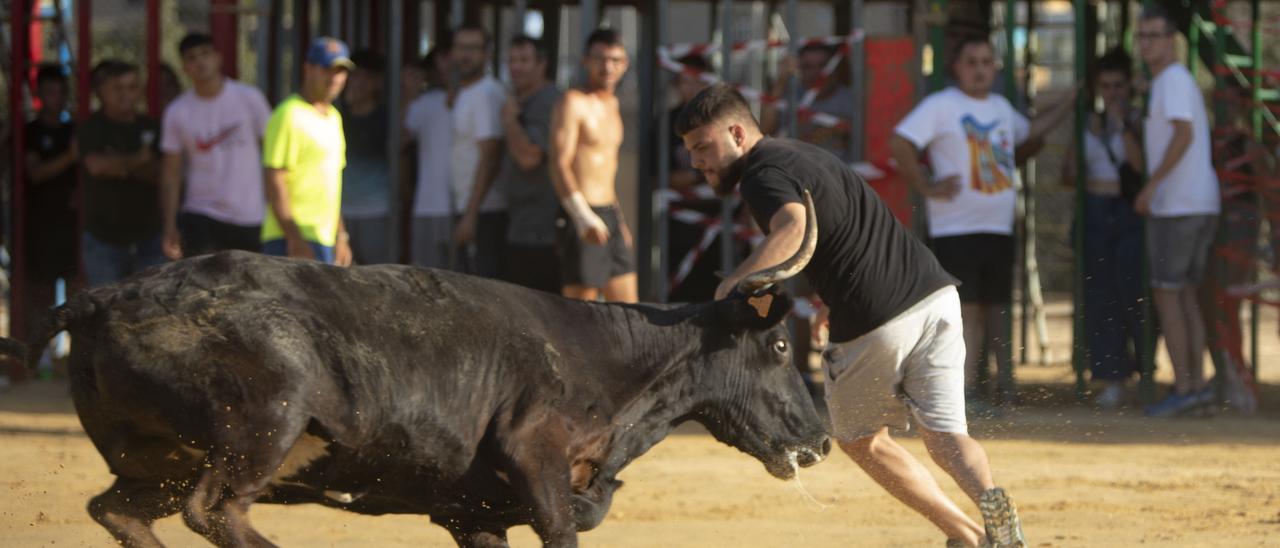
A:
(730, 176)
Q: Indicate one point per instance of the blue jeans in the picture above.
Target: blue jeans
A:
(279, 248)
(1113, 286)
(105, 263)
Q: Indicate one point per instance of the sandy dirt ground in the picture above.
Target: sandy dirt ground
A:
(1082, 477)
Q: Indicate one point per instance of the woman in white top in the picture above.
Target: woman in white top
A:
(1112, 231)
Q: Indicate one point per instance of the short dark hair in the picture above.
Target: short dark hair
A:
(50, 72)
(696, 61)
(108, 69)
(606, 37)
(826, 50)
(1115, 60)
(472, 27)
(522, 40)
(1152, 12)
(964, 41)
(193, 41)
(714, 103)
(369, 60)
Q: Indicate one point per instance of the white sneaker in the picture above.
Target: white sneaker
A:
(1111, 397)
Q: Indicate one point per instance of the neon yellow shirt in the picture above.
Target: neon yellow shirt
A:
(310, 147)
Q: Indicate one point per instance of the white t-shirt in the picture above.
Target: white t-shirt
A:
(477, 115)
(975, 139)
(1192, 187)
(427, 119)
(220, 139)
(1096, 160)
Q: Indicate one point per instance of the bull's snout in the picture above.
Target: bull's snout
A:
(809, 457)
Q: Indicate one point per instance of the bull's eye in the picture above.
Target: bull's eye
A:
(780, 346)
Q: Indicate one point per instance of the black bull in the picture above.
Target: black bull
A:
(216, 382)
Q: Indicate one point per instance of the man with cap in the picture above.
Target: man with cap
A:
(303, 154)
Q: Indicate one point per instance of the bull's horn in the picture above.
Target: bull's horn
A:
(757, 281)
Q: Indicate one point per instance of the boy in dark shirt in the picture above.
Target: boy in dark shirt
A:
(52, 250)
(118, 148)
(897, 345)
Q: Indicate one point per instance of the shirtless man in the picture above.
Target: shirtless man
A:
(586, 131)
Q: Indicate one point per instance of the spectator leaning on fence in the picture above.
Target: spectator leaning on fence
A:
(531, 199)
(481, 231)
(117, 147)
(833, 97)
(1181, 202)
(304, 152)
(366, 183)
(975, 140)
(212, 139)
(52, 218)
(1112, 230)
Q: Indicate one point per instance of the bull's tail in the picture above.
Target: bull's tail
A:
(69, 314)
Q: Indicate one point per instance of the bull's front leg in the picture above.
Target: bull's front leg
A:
(539, 473)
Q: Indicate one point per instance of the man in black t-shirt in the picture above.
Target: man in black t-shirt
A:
(897, 344)
(119, 151)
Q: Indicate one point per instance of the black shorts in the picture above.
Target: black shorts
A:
(202, 235)
(592, 265)
(533, 266)
(982, 262)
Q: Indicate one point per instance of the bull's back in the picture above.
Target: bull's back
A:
(364, 347)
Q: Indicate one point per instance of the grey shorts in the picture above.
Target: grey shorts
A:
(911, 366)
(1178, 248)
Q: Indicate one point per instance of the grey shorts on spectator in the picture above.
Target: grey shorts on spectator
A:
(912, 365)
(1179, 249)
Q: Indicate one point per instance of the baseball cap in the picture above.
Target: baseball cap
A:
(329, 52)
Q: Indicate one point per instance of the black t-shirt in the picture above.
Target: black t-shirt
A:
(120, 211)
(49, 203)
(867, 267)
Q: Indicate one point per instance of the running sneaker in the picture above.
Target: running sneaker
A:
(1173, 404)
(1000, 518)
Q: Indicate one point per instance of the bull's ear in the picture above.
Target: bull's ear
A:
(756, 312)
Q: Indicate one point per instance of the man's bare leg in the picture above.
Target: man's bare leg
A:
(1174, 326)
(904, 477)
(580, 292)
(973, 316)
(1196, 336)
(962, 458)
(996, 324)
(622, 289)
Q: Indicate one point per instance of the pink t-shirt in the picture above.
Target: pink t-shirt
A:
(220, 139)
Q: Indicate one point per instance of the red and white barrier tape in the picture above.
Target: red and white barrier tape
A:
(667, 56)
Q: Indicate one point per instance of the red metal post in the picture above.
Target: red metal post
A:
(375, 28)
(20, 20)
(224, 28)
(153, 58)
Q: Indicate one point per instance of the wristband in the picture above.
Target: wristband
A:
(575, 205)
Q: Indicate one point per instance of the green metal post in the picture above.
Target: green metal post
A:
(938, 44)
(1078, 336)
(1193, 45)
(1147, 369)
(1255, 39)
(1004, 354)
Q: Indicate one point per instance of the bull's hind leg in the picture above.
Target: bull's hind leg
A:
(236, 474)
(477, 536)
(129, 507)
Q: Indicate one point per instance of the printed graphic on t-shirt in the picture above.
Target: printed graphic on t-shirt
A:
(205, 145)
(990, 160)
